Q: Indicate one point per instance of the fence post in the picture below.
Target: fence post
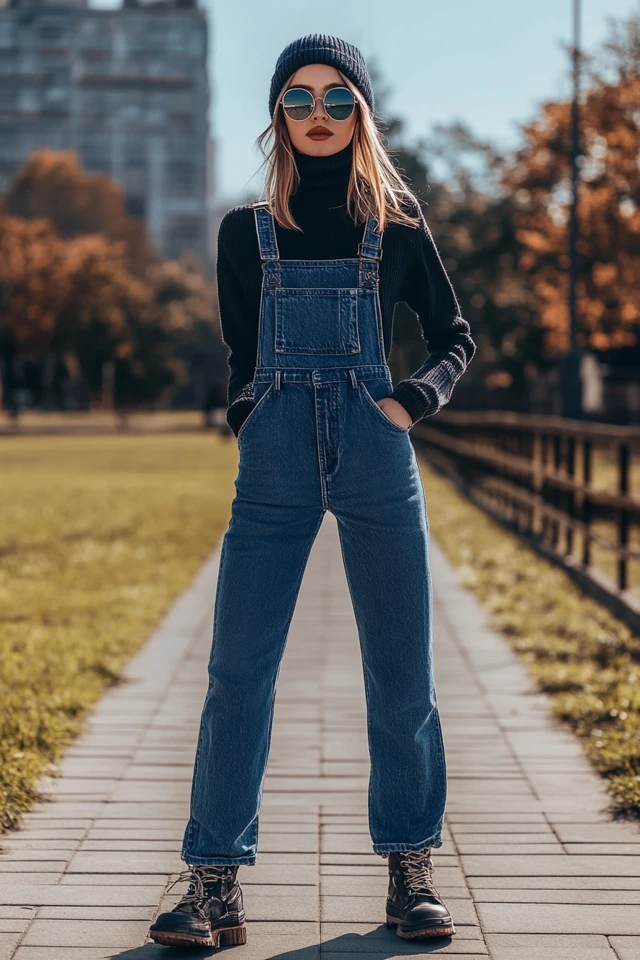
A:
(587, 451)
(571, 499)
(624, 516)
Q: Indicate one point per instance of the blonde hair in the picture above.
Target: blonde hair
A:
(375, 186)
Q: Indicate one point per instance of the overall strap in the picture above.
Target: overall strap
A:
(371, 245)
(265, 227)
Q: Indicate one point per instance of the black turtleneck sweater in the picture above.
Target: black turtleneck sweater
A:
(410, 270)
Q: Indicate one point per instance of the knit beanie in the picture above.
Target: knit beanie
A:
(320, 48)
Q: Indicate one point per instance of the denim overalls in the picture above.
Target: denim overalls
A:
(316, 441)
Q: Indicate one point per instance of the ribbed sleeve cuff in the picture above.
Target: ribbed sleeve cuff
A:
(418, 398)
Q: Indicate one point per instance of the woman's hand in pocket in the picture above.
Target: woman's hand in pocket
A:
(395, 411)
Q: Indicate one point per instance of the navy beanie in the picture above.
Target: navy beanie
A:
(320, 48)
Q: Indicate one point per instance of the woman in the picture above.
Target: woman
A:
(306, 304)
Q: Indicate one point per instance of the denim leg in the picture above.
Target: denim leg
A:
(263, 557)
(386, 558)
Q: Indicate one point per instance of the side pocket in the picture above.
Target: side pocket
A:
(259, 402)
(385, 419)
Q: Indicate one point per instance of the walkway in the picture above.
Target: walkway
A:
(531, 865)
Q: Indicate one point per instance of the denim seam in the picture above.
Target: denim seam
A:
(277, 676)
(191, 825)
(364, 669)
(435, 840)
(251, 415)
(230, 861)
(321, 465)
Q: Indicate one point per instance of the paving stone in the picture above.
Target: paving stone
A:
(71, 896)
(627, 948)
(557, 947)
(600, 849)
(560, 918)
(555, 895)
(512, 849)
(17, 912)
(121, 912)
(8, 943)
(130, 862)
(41, 850)
(113, 879)
(101, 789)
(84, 767)
(484, 834)
(619, 833)
(85, 933)
(131, 846)
(67, 810)
(297, 904)
(571, 866)
(91, 953)
(587, 882)
(13, 926)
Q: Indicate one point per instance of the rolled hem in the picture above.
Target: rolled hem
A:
(382, 848)
(221, 861)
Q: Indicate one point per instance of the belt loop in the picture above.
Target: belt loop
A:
(354, 378)
(277, 379)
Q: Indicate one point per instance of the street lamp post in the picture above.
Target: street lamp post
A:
(570, 370)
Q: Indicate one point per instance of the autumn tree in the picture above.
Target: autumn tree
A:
(538, 175)
(52, 184)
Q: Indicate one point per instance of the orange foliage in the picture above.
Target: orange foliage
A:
(608, 298)
(53, 290)
(53, 185)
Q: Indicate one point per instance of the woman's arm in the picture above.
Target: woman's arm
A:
(428, 291)
(239, 324)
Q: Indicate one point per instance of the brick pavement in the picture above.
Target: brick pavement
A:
(531, 865)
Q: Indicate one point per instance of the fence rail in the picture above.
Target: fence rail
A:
(570, 487)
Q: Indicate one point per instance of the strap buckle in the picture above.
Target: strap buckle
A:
(364, 255)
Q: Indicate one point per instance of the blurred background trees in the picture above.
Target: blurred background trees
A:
(91, 316)
(501, 226)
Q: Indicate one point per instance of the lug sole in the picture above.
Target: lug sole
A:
(422, 933)
(222, 937)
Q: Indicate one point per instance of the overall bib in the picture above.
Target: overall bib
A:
(316, 441)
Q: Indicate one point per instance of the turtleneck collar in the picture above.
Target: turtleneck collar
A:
(318, 171)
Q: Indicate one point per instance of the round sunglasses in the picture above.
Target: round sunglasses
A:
(299, 104)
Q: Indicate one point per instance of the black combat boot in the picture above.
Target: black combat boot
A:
(211, 913)
(413, 904)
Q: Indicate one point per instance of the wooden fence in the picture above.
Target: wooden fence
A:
(568, 486)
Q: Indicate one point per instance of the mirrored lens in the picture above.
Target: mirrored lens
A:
(298, 103)
(339, 103)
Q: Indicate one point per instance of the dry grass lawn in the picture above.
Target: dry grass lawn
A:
(98, 535)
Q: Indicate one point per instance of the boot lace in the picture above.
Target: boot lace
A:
(418, 865)
(198, 876)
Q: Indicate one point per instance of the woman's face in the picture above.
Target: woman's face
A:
(318, 78)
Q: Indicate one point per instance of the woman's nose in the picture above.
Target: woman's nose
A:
(319, 111)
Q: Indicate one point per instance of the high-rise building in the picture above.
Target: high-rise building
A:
(128, 90)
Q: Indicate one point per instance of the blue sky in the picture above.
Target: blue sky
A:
(490, 63)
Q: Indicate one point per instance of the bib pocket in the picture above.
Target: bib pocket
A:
(317, 321)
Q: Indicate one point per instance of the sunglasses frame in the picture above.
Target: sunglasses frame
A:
(331, 89)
